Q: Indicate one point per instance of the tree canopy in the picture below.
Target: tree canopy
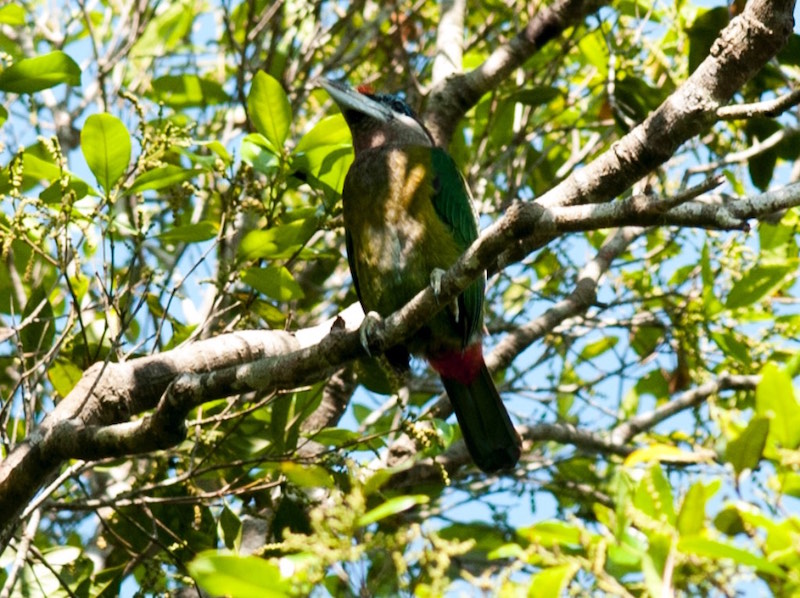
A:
(186, 405)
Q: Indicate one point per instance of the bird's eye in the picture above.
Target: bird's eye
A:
(402, 107)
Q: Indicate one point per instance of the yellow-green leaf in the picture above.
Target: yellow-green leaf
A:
(42, 72)
(238, 576)
(393, 506)
(269, 109)
(106, 145)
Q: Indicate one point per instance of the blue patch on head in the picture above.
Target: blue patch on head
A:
(395, 102)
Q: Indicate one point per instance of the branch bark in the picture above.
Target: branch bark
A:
(453, 96)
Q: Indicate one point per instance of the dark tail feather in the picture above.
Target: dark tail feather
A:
(488, 432)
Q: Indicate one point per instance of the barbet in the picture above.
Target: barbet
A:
(408, 216)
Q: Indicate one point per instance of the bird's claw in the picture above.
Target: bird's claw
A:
(437, 275)
(370, 331)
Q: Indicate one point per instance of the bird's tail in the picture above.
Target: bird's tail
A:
(487, 429)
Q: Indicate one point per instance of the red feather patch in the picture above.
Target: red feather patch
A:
(366, 88)
(461, 366)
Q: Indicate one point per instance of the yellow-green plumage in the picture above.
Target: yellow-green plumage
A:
(396, 237)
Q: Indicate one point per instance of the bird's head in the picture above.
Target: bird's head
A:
(377, 119)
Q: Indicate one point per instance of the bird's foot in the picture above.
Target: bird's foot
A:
(437, 275)
(370, 332)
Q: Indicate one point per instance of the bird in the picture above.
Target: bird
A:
(408, 216)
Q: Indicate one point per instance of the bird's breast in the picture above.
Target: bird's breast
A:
(397, 237)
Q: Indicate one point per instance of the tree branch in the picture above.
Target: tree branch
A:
(627, 430)
(449, 40)
(767, 108)
(451, 98)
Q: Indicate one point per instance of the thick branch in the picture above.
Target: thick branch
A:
(739, 52)
(449, 40)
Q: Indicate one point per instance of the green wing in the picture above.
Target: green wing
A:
(351, 261)
(453, 204)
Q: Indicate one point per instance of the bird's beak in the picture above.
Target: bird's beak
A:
(349, 99)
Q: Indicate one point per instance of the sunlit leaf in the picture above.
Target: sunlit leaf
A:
(776, 400)
(392, 506)
(756, 284)
(188, 90)
(106, 145)
(163, 176)
(190, 233)
(552, 533)
(307, 476)
(274, 281)
(706, 547)
(662, 452)
(42, 72)
(745, 452)
(12, 14)
(331, 131)
(280, 241)
(269, 109)
(553, 580)
(238, 576)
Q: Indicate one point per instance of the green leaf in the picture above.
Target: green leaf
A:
(731, 346)
(38, 334)
(269, 109)
(598, 347)
(326, 164)
(729, 521)
(703, 32)
(238, 576)
(661, 452)
(229, 528)
(12, 14)
(161, 177)
(187, 90)
(164, 32)
(42, 72)
(775, 400)
(106, 145)
(393, 506)
(274, 281)
(336, 437)
(278, 242)
(552, 581)
(552, 533)
(63, 375)
(332, 131)
(692, 516)
(745, 452)
(279, 420)
(55, 192)
(653, 496)
(307, 476)
(595, 50)
(190, 233)
(714, 549)
(535, 96)
(756, 284)
(258, 152)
